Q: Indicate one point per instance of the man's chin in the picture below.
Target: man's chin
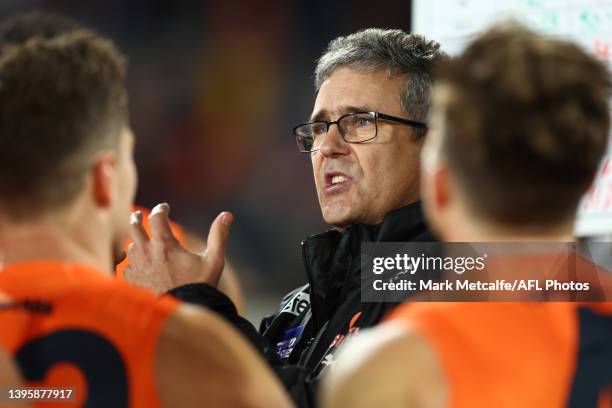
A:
(339, 220)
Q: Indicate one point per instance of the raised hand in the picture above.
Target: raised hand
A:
(160, 262)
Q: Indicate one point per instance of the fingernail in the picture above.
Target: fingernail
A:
(225, 218)
(160, 207)
(136, 217)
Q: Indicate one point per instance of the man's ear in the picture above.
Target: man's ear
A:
(103, 173)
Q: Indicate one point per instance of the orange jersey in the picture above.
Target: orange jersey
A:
(518, 354)
(69, 325)
(177, 230)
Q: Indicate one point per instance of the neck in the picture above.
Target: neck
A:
(61, 238)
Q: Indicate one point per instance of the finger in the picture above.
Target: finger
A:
(218, 236)
(160, 223)
(137, 231)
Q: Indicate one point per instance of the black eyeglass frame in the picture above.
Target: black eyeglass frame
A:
(377, 115)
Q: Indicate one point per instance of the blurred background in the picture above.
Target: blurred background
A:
(215, 89)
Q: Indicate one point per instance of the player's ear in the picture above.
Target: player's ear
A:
(103, 173)
(436, 179)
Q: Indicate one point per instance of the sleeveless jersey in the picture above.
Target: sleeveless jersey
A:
(519, 354)
(69, 325)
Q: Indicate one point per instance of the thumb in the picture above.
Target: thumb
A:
(216, 244)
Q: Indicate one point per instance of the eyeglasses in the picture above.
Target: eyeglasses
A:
(355, 127)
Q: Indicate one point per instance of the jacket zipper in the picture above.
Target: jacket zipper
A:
(306, 351)
(310, 279)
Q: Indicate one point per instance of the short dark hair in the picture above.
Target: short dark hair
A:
(409, 55)
(527, 125)
(61, 100)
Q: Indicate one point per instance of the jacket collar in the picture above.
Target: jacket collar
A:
(332, 258)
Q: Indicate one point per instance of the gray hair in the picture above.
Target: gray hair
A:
(400, 53)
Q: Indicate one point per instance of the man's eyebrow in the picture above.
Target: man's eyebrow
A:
(320, 115)
(324, 114)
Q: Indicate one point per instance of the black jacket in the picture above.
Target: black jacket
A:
(300, 339)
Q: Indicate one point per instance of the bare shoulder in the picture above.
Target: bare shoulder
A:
(9, 378)
(389, 365)
(202, 359)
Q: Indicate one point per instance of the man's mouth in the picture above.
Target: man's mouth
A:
(336, 181)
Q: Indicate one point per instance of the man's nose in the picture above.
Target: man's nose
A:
(333, 144)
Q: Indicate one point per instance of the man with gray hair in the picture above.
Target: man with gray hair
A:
(364, 139)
